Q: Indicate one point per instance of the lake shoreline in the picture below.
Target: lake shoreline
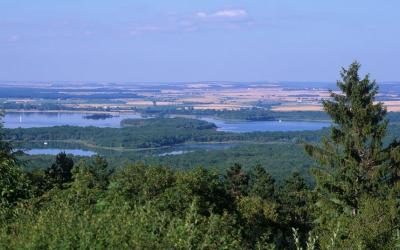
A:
(53, 118)
(70, 111)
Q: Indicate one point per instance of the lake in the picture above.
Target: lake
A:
(47, 119)
(260, 126)
(56, 151)
(173, 150)
(188, 148)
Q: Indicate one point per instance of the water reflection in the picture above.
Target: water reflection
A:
(49, 119)
(56, 151)
(189, 148)
(262, 126)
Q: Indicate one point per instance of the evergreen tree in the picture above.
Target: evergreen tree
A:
(101, 171)
(61, 171)
(296, 204)
(353, 158)
(262, 184)
(353, 162)
(237, 180)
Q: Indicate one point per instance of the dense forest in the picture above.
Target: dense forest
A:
(146, 140)
(86, 204)
(149, 133)
(249, 114)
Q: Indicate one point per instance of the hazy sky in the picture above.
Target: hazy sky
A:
(195, 40)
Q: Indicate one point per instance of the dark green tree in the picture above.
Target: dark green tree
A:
(60, 172)
(237, 180)
(296, 204)
(353, 159)
(353, 162)
(262, 184)
(6, 150)
(295, 208)
(13, 182)
(101, 171)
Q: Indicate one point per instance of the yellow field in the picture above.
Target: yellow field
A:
(217, 96)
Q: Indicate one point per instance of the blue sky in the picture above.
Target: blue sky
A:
(197, 40)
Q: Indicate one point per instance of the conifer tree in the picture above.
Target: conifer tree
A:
(101, 171)
(237, 180)
(353, 160)
(61, 171)
(262, 184)
(356, 170)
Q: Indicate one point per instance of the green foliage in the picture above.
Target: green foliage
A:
(60, 172)
(13, 182)
(262, 185)
(237, 181)
(145, 207)
(354, 155)
(84, 216)
(296, 205)
(146, 133)
(206, 188)
(249, 114)
(150, 133)
(356, 167)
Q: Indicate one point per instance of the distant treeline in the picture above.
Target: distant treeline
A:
(248, 114)
(155, 132)
(53, 93)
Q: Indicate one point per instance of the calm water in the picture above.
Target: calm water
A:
(45, 119)
(260, 126)
(177, 152)
(188, 148)
(56, 151)
(174, 150)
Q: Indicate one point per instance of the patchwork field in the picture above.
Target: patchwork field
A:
(200, 96)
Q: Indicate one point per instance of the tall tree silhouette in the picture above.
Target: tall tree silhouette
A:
(61, 171)
(353, 160)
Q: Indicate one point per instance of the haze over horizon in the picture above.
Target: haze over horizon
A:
(181, 41)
